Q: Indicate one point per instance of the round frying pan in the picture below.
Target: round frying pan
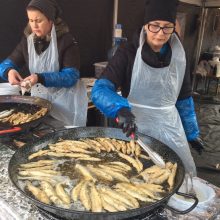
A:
(27, 104)
(90, 132)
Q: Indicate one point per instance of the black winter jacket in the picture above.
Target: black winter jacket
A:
(119, 69)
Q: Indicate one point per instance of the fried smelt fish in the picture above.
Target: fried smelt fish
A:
(100, 174)
(49, 167)
(152, 169)
(85, 172)
(141, 166)
(158, 173)
(116, 168)
(161, 179)
(38, 154)
(117, 145)
(6, 113)
(62, 194)
(89, 159)
(49, 173)
(169, 165)
(132, 146)
(131, 160)
(148, 193)
(130, 198)
(132, 191)
(84, 196)
(95, 199)
(39, 163)
(38, 194)
(172, 176)
(110, 145)
(137, 150)
(116, 204)
(71, 155)
(118, 196)
(114, 174)
(108, 207)
(76, 191)
(105, 146)
(123, 147)
(68, 149)
(151, 187)
(144, 157)
(49, 190)
(93, 144)
(79, 144)
(128, 148)
(39, 178)
(123, 165)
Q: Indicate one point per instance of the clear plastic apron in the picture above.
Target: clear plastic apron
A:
(153, 95)
(69, 105)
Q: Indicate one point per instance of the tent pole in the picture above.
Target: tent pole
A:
(200, 40)
(115, 15)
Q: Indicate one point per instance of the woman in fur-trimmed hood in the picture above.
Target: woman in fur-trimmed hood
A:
(51, 55)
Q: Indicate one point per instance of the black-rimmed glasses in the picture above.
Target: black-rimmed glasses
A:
(156, 28)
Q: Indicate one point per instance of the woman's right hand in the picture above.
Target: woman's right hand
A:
(14, 78)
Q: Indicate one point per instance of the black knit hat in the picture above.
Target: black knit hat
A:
(49, 8)
(164, 10)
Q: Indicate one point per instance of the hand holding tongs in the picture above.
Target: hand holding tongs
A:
(155, 157)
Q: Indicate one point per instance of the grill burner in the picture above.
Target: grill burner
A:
(158, 214)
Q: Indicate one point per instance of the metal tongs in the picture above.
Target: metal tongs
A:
(155, 157)
(5, 129)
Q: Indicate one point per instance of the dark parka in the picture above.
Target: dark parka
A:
(69, 60)
(119, 69)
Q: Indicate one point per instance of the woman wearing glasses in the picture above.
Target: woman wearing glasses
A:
(156, 90)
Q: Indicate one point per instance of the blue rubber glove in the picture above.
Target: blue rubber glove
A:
(105, 98)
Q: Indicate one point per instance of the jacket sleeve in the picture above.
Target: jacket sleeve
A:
(5, 66)
(67, 77)
(69, 62)
(106, 99)
(186, 89)
(187, 114)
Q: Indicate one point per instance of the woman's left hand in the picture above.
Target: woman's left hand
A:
(33, 78)
(198, 145)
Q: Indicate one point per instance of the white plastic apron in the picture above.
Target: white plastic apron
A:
(153, 95)
(69, 105)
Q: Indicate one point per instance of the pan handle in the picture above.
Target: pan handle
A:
(187, 210)
(11, 130)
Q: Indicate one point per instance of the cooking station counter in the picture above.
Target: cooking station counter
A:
(26, 211)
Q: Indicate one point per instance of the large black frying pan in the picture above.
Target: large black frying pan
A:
(89, 132)
(26, 104)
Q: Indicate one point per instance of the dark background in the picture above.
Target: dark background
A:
(91, 22)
